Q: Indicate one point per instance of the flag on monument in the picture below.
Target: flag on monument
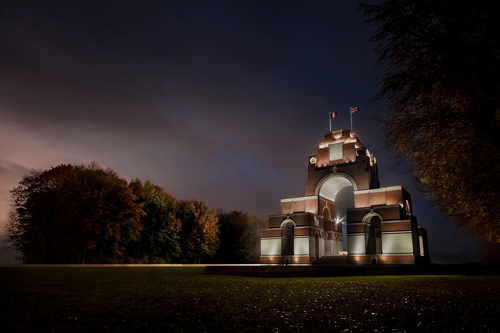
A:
(334, 114)
(354, 109)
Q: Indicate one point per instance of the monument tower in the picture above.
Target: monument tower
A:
(381, 227)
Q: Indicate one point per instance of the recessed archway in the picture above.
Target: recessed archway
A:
(326, 214)
(338, 188)
(373, 241)
(287, 237)
(331, 185)
(343, 201)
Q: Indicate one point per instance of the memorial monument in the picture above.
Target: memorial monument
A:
(380, 228)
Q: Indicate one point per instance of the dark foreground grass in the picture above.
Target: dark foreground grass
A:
(183, 299)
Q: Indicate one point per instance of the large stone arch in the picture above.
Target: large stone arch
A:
(330, 185)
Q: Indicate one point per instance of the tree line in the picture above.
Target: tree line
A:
(77, 214)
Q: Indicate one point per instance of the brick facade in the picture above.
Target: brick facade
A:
(380, 228)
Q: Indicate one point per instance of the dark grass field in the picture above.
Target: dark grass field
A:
(184, 299)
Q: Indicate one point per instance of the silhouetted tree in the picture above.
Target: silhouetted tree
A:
(441, 61)
(73, 214)
(239, 238)
(35, 201)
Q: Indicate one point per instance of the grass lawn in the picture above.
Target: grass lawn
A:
(183, 299)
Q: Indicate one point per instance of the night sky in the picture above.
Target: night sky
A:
(218, 101)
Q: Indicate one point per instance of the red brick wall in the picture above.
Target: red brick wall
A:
(396, 226)
(323, 157)
(349, 151)
(302, 231)
(299, 205)
(383, 197)
(301, 219)
(357, 215)
(353, 229)
(271, 233)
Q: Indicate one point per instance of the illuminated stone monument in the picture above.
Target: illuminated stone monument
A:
(381, 228)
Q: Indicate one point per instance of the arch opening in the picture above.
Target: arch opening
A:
(373, 241)
(338, 190)
(326, 214)
(287, 237)
(330, 186)
(343, 201)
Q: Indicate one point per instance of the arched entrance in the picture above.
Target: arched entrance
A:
(343, 201)
(331, 185)
(335, 194)
(373, 240)
(328, 190)
(287, 237)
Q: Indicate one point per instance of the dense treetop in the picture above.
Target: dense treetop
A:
(441, 62)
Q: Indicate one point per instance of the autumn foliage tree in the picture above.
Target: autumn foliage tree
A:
(100, 214)
(174, 231)
(441, 61)
(73, 214)
(200, 231)
(160, 240)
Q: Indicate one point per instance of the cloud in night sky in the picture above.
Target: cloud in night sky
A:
(219, 101)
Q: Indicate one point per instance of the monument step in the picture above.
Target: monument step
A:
(330, 260)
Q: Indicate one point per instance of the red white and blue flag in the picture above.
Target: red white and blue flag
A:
(354, 109)
(334, 114)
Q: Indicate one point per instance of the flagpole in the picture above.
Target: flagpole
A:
(330, 121)
(350, 111)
